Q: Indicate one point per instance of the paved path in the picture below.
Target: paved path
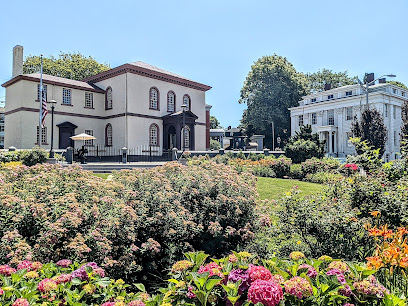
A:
(109, 167)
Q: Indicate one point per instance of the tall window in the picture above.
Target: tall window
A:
(154, 98)
(89, 100)
(185, 133)
(349, 113)
(394, 112)
(108, 135)
(330, 117)
(395, 138)
(90, 141)
(66, 96)
(300, 120)
(314, 118)
(154, 135)
(44, 92)
(386, 110)
(187, 101)
(108, 98)
(43, 135)
(171, 101)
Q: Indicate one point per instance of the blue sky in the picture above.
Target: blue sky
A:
(214, 42)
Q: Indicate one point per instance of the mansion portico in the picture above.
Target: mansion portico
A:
(133, 105)
(331, 112)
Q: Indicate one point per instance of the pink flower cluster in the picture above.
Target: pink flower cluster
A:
(346, 291)
(371, 286)
(21, 302)
(47, 285)
(83, 275)
(266, 292)
(339, 265)
(311, 272)
(259, 272)
(299, 287)
(213, 268)
(65, 263)
(351, 166)
(29, 266)
(6, 270)
(62, 278)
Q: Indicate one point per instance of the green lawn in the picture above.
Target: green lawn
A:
(102, 175)
(272, 188)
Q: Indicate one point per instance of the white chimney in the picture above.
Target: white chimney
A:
(17, 60)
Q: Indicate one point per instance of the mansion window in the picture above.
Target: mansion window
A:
(394, 112)
(187, 101)
(108, 98)
(403, 94)
(154, 135)
(314, 118)
(330, 117)
(1, 128)
(66, 96)
(395, 138)
(329, 97)
(43, 135)
(394, 91)
(349, 113)
(349, 93)
(313, 100)
(300, 120)
(154, 98)
(386, 110)
(44, 92)
(108, 135)
(89, 100)
(90, 141)
(171, 101)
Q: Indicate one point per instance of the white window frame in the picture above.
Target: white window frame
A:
(154, 98)
(89, 142)
(2, 128)
(349, 93)
(66, 96)
(171, 101)
(330, 97)
(395, 139)
(386, 110)
(186, 137)
(300, 120)
(43, 135)
(154, 135)
(109, 98)
(109, 135)
(314, 118)
(88, 100)
(44, 91)
(349, 113)
(187, 101)
(329, 117)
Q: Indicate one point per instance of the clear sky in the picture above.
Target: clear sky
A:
(214, 42)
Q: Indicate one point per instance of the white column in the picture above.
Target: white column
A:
(335, 143)
(340, 139)
(330, 143)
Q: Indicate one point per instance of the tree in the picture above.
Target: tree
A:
(271, 87)
(68, 65)
(304, 145)
(214, 123)
(399, 84)
(370, 128)
(317, 80)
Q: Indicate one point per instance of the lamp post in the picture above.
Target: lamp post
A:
(184, 107)
(52, 102)
(273, 136)
(365, 86)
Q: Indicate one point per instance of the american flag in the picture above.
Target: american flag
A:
(44, 110)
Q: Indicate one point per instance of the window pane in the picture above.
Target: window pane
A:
(66, 96)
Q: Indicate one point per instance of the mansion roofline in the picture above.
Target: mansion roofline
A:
(350, 92)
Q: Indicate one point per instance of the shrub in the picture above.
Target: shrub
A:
(11, 156)
(281, 165)
(314, 165)
(323, 177)
(296, 171)
(215, 145)
(34, 156)
(134, 223)
(301, 150)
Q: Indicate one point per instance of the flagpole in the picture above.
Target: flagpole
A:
(40, 98)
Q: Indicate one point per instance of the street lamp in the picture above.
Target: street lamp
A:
(365, 86)
(184, 108)
(52, 102)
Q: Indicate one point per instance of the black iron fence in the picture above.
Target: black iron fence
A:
(100, 153)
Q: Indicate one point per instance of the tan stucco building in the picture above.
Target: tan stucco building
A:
(132, 105)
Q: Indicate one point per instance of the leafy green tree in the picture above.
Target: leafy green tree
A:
(317, 80)
(271, 87)
(370, 128)
(73, 66)
(214, 144)
(304, 145)
(399, 84)
(214, 123)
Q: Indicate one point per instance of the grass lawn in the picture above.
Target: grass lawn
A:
(272, 188)
(102, 175)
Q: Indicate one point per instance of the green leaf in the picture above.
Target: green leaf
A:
(141, 287)
(211, 283)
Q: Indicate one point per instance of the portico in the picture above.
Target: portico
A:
(329, 134)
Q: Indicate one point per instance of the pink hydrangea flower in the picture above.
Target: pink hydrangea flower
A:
(25, 264)
(266, 292)
(47, 285)
(213, 268)
(62, 278)
(311, 272)
(21, 302)
(299, 287)
(6, 270)
(136, 303)
(259, 272)
(1, 291)
(65, 263)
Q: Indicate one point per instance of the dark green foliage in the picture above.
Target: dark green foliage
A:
(370, 128)
(317, 80)
(214, 144)
(304, 145)
(73, 66)
(214, 123)
(271, 87)
(34, 156)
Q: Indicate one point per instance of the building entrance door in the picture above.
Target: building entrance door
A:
(172, 137)
(66, 130)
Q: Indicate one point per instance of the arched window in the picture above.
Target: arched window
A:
(108, 98)
(187, 101)
(154, 135)
(171, 101)
(108, 135)
(154, 98)
(186, 138)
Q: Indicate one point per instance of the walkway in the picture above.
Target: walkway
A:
(109, 167)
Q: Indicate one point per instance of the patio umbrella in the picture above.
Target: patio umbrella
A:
(82, 136)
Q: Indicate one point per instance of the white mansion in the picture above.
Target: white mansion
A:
(331, 112)
(132, 105)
